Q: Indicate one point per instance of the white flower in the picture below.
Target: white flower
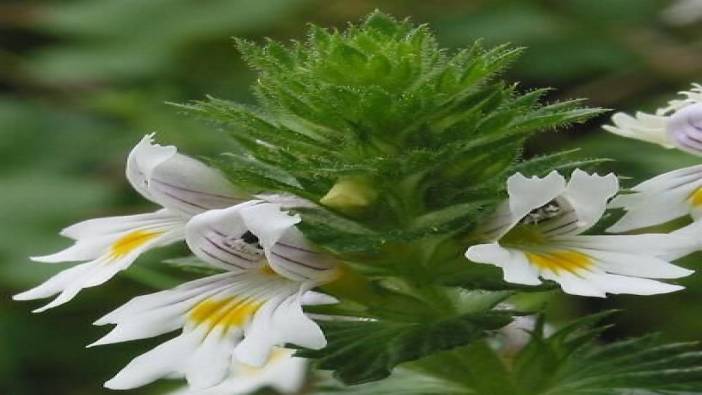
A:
(537, 233)
(242, 314)
(240, 236)
(179, 184)
(661, 199)
(675, 126)
(283, 372)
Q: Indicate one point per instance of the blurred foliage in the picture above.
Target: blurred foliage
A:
(81, 80)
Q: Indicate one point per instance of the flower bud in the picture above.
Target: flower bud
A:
(350, 194)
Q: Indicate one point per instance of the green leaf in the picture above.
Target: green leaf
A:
(402, 381)
(572, 362)
(337, 233)
(476, 368)
(364, 351)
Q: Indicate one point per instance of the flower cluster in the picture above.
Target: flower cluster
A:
(239, 316)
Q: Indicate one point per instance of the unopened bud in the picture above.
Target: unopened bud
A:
(350, 194)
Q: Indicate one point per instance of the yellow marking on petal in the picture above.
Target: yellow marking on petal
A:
(696, 198)
(556, 261)
(131, 241)
(228, 312)
(268, 270)
(277, 355)
(523, 235)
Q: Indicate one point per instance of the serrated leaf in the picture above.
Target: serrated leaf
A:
(572, 362)
(402, 381)
(365, 351)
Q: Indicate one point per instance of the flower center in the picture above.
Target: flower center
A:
(523, 235)
(250, 238)
(247, 245)
(131, 241)
(549, 210)
(560, 260)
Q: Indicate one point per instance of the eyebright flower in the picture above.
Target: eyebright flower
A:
(181, 185)
(537, 233)
(678, 125)
(283, 372)
(661, 199)
(240, 315)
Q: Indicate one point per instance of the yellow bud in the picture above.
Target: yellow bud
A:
(350, 194)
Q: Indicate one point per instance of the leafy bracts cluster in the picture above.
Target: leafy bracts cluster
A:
(350, 220)
(569, 361)
(381, 104)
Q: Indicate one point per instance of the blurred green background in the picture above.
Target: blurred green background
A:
(81, 81)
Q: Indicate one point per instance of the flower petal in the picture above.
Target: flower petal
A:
(211, 362)
(178, 182)
(157, 363)
(222, 239)
(615, 284)
(636, 265)
(95, 236)
(666, 246)
(516, 267)
(162, 312)
(574, 284)
(288, 375)
(142, 160)
(287, 250)
(268, 222)
(283, 372)
(188, 186)
(110, 253)
(658, 200)
(280, 321)
(527, 194)
(588, 195)
(645, 127)
(292, 256)
(684, 128)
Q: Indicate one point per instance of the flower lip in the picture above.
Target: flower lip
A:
(105, 246)
(234, 317)
(552, 205)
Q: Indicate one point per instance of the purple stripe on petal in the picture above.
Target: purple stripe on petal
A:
(228, 251)
(296, 262)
